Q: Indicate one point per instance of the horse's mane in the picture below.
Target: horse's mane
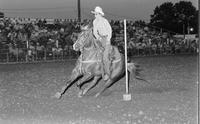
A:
(91, 41)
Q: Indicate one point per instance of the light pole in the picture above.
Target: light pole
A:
(79, 10)
(188, 24)
(184, 29)
(182, 19)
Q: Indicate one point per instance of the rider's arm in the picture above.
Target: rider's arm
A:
(109, 30)
(99, 45)
(95, 30)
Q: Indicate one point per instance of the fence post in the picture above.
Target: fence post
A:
(36, 56)
(45, 54)
(149, 49)
(62, 54)
(17, 55)
(138, 51)
(26, 55)
(53, 56)
(7, 57)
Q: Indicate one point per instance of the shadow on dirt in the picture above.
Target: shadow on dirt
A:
(146, 90)
(142, 90)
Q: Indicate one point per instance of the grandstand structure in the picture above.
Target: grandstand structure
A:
(28, 40)
(35, 20)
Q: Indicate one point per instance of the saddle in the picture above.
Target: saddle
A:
(111, 54)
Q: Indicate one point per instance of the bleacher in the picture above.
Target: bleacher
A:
(25, 40)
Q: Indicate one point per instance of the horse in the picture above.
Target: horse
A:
(89, 65)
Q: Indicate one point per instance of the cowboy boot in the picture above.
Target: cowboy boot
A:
(106, 77)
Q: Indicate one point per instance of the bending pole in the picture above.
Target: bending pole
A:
(127, 96)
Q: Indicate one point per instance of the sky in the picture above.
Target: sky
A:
(67, 9)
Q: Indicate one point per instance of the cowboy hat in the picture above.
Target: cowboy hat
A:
(98, 10)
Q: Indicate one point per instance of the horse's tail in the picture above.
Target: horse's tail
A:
(135, 70)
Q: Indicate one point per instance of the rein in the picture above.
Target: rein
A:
(90, 61)
(94, 61)
(85, 48)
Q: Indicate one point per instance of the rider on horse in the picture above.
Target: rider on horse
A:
(103, 32)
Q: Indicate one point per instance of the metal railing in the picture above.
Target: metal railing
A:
(25, 55)
(161, 51)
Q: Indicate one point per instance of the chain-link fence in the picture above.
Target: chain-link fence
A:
(154, 51)
(24, 55)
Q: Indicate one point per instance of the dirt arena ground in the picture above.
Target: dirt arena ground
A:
(26, 92)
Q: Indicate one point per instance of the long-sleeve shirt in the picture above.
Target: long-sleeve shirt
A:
(101, 27)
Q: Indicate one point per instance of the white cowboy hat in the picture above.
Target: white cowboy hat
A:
(99, 10)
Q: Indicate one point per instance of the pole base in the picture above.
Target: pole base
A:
(126, 97)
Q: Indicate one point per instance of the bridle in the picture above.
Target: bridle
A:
(80, 42)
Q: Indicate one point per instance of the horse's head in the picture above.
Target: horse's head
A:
(84, 39)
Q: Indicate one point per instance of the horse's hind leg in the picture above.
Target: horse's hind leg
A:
(92, 84)
(107, 85)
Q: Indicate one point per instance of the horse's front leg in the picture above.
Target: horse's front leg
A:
(80, 83)
(92, 84)
(108, 83)
(75, 74)
(86, 77)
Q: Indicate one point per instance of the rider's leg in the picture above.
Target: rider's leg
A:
(107, 62)
(84, 79)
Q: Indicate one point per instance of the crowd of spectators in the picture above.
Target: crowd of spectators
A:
(144, 40)
(39, 35)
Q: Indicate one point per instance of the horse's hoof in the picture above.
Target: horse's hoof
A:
(80, 94)
(58, 95)
(97, 95)
(84, 92)
(63, 88)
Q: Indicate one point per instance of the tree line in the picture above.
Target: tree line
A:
(181, 17)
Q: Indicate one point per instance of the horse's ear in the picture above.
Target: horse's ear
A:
(91, 25)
